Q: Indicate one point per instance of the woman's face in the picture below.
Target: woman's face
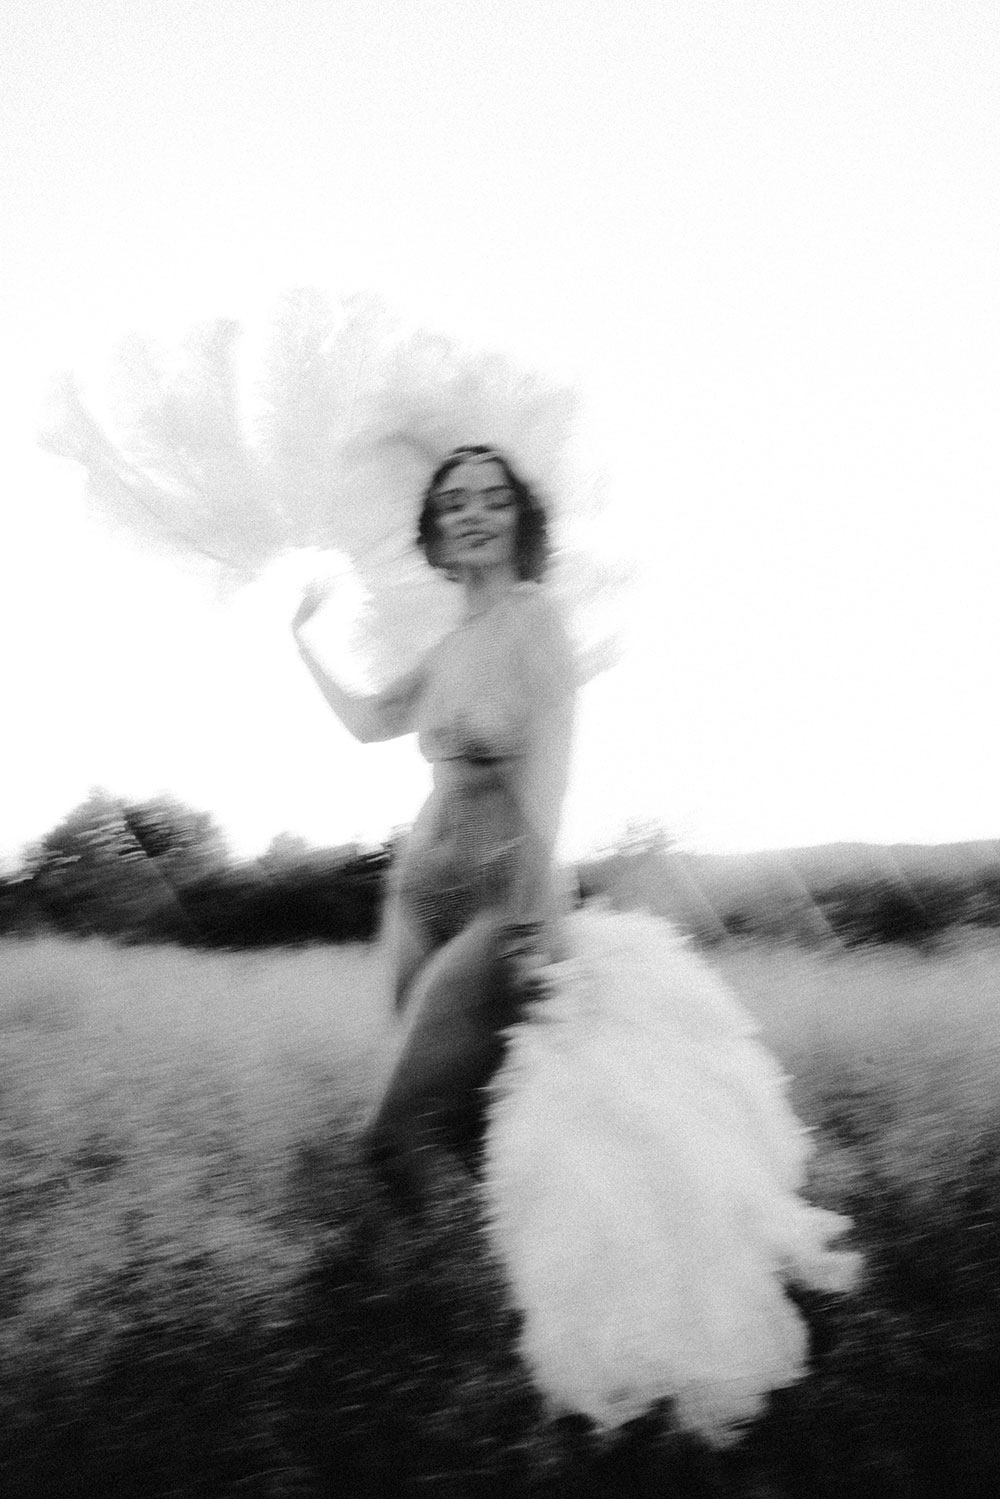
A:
(476, 514)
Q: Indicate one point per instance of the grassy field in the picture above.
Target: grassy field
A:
(202, 1293)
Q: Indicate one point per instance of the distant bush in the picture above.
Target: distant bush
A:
(159, 872)
(767, 897)
(984, 901)
(326, 898)
(915, 913)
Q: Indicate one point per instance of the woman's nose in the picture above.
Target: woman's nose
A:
(473, 508)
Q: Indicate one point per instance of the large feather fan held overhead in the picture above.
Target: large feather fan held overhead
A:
(642, 1165)
(330, 453)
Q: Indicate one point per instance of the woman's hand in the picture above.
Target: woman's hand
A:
(313, 599)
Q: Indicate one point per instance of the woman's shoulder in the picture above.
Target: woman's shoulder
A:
(537, 605)
(543, 629)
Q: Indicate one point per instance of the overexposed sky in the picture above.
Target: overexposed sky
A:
(763, 237)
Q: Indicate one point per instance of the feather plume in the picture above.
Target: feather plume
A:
(330, 448)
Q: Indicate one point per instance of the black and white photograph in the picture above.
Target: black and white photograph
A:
(499, 795)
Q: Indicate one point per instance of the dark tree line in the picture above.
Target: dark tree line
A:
(158, 871)
(909, 908)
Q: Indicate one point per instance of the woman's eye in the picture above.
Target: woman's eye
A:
(450, 501)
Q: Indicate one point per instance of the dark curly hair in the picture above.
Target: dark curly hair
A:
(531, 537)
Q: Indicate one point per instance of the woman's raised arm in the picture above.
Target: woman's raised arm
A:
(370, 717)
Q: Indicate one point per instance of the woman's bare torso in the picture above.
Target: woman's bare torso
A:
(499, 748)
(464, 853)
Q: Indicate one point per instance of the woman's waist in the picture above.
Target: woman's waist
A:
(484, 876)
(473, 827)
(461, 834)
(474, 794)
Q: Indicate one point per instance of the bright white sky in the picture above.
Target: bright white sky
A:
(762, 236)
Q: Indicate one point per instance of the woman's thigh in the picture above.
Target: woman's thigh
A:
(409, 945)
(459, 1005)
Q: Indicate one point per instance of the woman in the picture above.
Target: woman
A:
(642, 1169)
(474, 910)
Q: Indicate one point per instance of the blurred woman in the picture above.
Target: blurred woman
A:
(474, 909)
(640, 1166)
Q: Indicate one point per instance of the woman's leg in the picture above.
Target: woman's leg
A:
(410, 945)
(459, 1005)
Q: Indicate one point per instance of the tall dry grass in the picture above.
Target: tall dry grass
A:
(201, 1292)
(158, 1111)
